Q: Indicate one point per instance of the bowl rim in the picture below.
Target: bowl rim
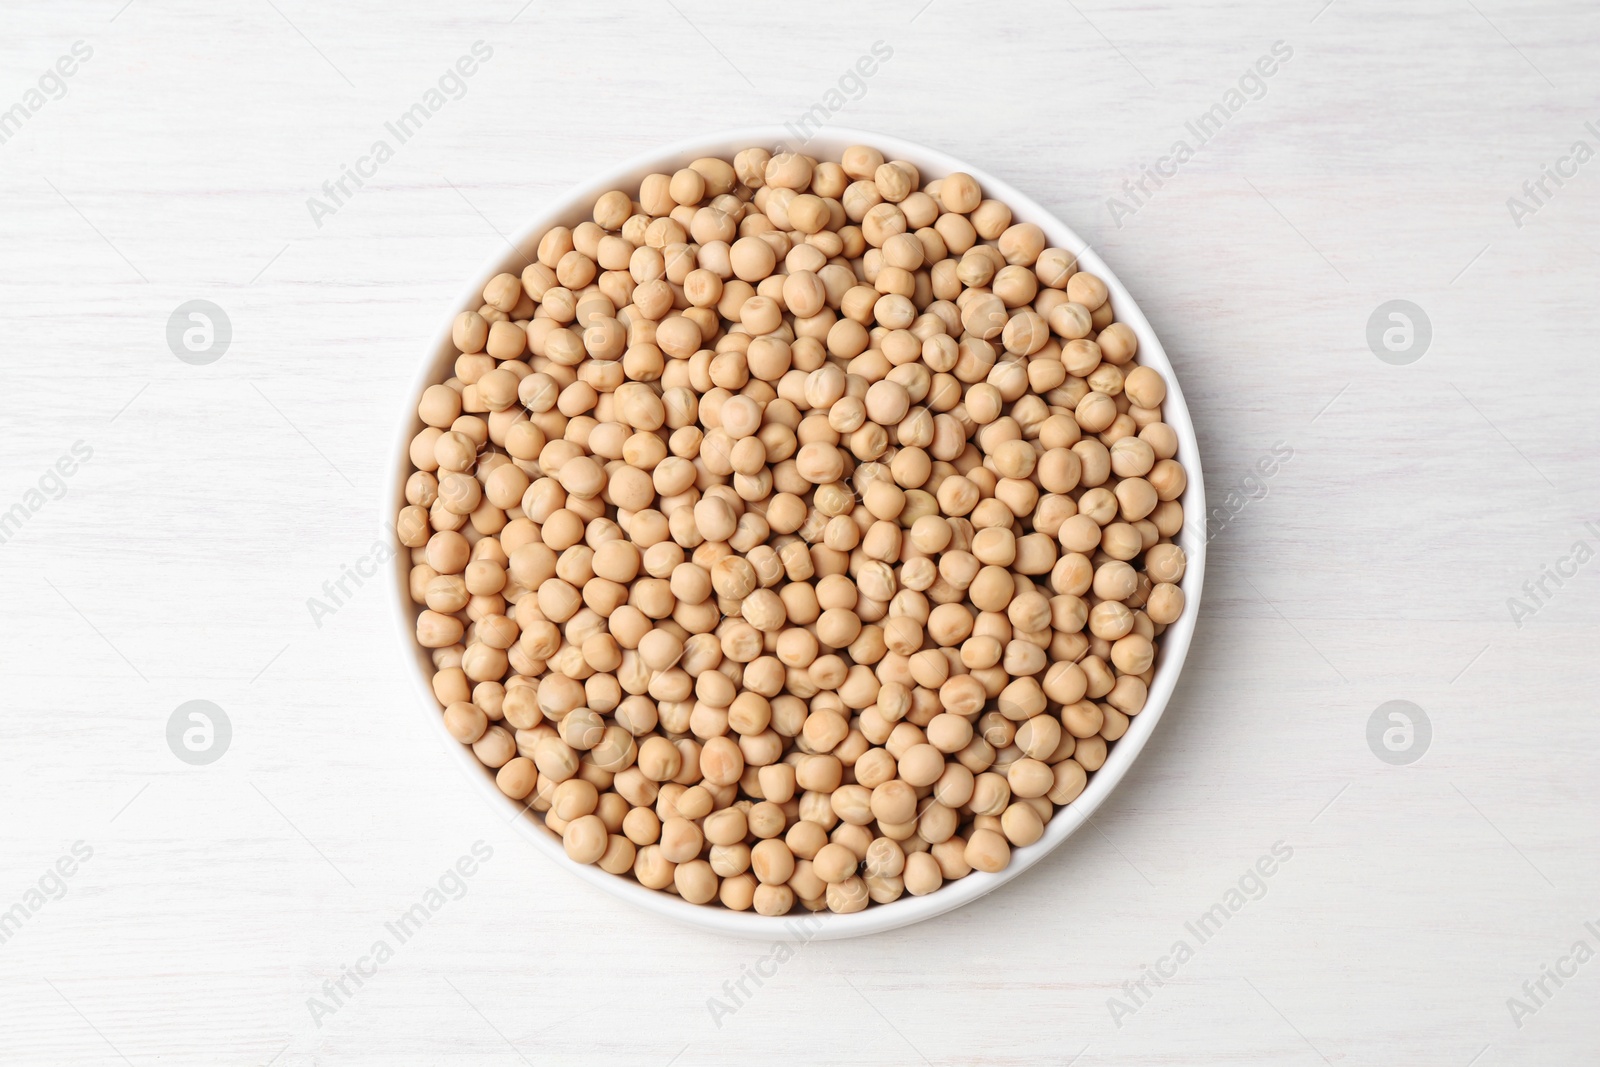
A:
(1175, 641)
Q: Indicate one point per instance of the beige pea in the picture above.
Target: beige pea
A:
(1165, 563)
(695, 881)
(1118, 345)
(819, 462)
(483, 577)
(834, 863)
(1136, 497)
(788, 170)
(435, 630)
(987, 850)
(1110, 620)
(894, 801)
(687, 187)
(505, 485)
(948, 733)
(772, 862)
(752, 258)
(808, 213)
(642, 826)
(517, 778)
(991, 792)
(454, 451)
(1145, 387)
(459, 493)
(1095, 412)
(469, 332)
(1168, 479)
(659, 759)
(1133, 654)
(582, 477)
(507, 340)
(681, 840)
(1021, 824)
(652, 869)
(1162, 439)
(1016, 285)
(848, 896)
(1132, 457)
(495, 748)
(555, 759)
(585, 839)
(582, 728)
(1121, 540)
(616, 750)
(921, 765)
(894, 182)
(465, 722)
(1075, 322)
(1068, 781)
(1029, 777)
(852, 804)
(411, 526)
(574, 798)
(619, 856)
(773, 900)
(991, 218)
(1165, 603)
(1086, 289)
(440, 406)
(1039, 737)
(1128, 695)
(984, 316)
(721, 762)
(884, 859)
(959, 192)
(1115, 580)
(923, 874)
(887, 402)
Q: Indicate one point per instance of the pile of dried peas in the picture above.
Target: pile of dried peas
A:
(794, 532)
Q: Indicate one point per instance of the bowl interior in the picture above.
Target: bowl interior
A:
(1174, 644)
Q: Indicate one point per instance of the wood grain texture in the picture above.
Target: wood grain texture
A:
(1376, 566)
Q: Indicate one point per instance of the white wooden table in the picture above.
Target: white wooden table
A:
(1376, 564)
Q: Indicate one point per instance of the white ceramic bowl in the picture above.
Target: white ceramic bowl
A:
(575, 207)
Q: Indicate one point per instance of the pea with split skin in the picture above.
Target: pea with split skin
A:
(794, 533)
